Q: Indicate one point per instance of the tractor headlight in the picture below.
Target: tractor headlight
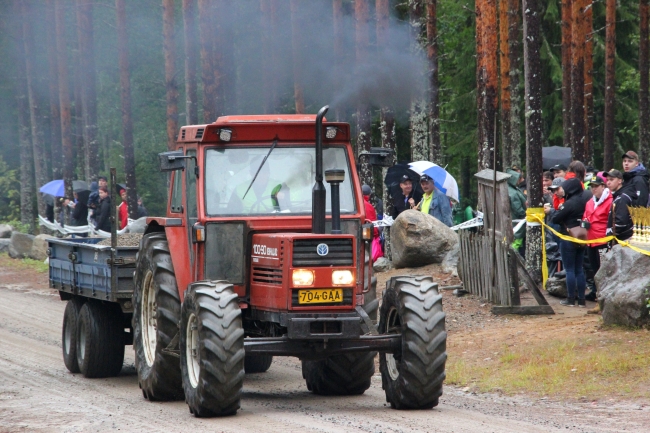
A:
(342, 278)
(303, 277)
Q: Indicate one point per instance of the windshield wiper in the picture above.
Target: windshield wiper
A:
(275, 143)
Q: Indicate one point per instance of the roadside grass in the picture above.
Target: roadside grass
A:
(613, 362)
(23, 264)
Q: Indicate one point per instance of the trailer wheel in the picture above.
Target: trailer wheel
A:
(413, 378)
(69, 334)
(100, 340)
(156, 313)
(257, 363)
(212, 349)
(348, 374)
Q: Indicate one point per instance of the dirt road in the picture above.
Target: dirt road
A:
(37, 393)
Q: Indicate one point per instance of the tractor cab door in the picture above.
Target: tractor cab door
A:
(191, 213)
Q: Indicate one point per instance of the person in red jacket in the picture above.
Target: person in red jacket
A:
(123, 210)
(595, 216)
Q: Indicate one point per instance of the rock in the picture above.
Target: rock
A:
(22, 243)
(5, 231)
(622, 281)
(556, 287)
(450, 261)
(419, 239)
(138, 226)
(13, 253)
(382, 264)
(39, 247)
(4, 245)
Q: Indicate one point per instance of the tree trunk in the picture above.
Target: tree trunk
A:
(269, 18)
(567, 27)
(56, 148)
(504, 83)
(533, 97)
(362, 16)
(435, 147)
(339, 49)
(169, 53)
(224, 56)
(78, 148)
(64, 97)
(589, 83)
(37, 137)
(190, 39)
(644, 64)
(419, 105)
(610, 83)
(578, 81)
(296, 44)
(208, 68)
(86, 38)
(487, 78)
(127, 121)
(514, 54)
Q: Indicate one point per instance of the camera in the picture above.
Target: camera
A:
(585, 224)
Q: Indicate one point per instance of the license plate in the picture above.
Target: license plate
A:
(320, 296)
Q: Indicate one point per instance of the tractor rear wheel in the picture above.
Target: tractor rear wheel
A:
(413, 378)
(257, 363)
(69, 334)
(156, 313)
(212, 349)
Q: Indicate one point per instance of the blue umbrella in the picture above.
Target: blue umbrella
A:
(443, 180)
(57, 187)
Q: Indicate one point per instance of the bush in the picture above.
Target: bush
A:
(10, 197)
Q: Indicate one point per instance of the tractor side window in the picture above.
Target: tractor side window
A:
(190, 184)
(177, 192)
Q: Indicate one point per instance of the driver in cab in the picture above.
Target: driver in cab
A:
(259, 194)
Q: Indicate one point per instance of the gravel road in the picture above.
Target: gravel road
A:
(37, 394)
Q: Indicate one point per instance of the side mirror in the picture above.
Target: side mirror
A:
(170, 161)
(381, 156)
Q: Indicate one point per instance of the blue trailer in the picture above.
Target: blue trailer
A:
(97, 283)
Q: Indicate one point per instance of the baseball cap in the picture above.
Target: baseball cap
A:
(556, 183)
(613, 173)
(597, 179)
(560, 167)
(405, 178)
(425, 178)
(366, 190)
(631, 154)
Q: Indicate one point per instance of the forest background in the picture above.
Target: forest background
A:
(370, 60)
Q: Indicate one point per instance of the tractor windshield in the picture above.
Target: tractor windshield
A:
(282, 186)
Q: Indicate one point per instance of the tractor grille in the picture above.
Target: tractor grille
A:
(266, 275)
(340, 252)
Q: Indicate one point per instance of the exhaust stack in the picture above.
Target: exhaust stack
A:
(318, 192)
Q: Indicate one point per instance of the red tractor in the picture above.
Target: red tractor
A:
(255, 260)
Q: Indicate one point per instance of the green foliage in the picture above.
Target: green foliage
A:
(18, 226)
(10, 196)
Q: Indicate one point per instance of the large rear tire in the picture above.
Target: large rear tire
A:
(257, 363)
(69, 334)
(100, 340)
(348, 374)
(413, 378)
(156, 313)
(212, 349)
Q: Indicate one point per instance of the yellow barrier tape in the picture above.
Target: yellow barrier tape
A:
(535, 216)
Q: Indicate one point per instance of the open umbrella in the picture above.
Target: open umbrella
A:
(444, 181)
(57, 187)
(119, 187)
(554, 155)
(394, 175)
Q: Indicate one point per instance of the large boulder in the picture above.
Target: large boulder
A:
(556, 287)
(22, 244)
(622, 282)
(138, 226)
(39, 247)
(419, 239)
(5, 231)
